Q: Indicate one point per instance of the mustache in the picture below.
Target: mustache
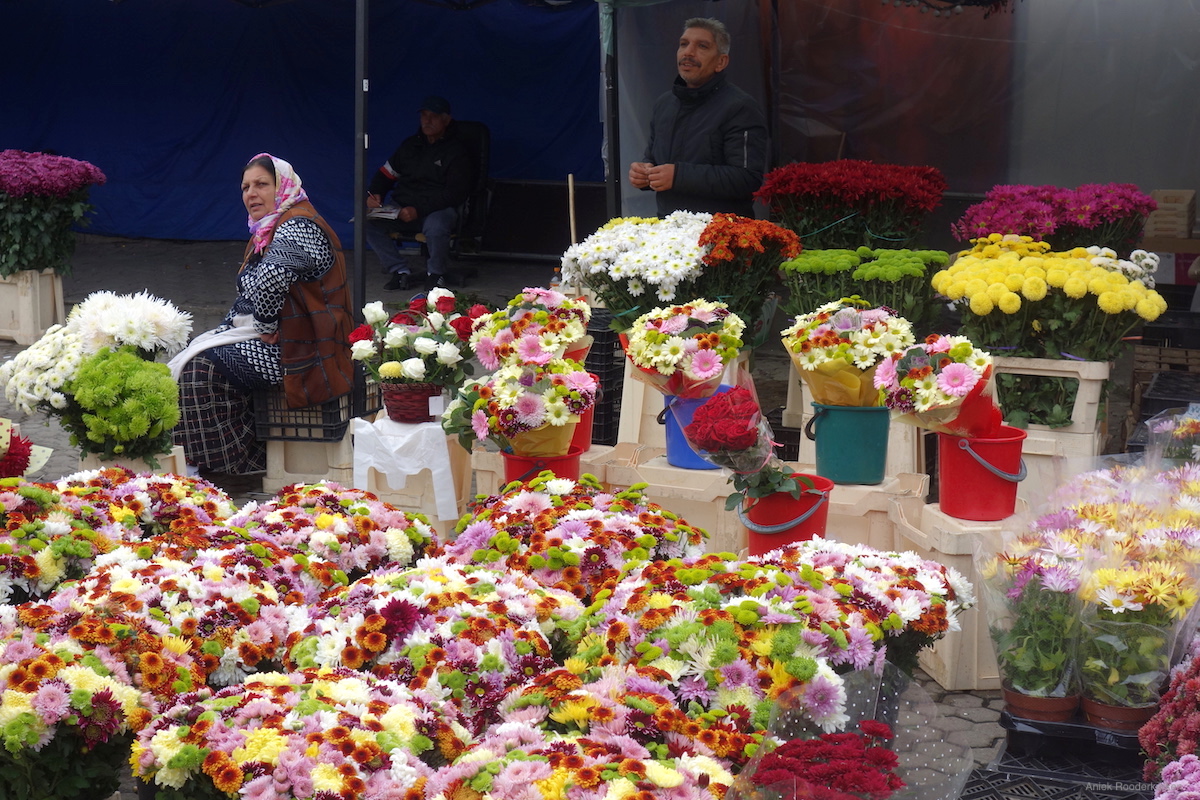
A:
(691, 62)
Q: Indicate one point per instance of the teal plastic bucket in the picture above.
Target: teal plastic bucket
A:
(851, 442)
(679, 452)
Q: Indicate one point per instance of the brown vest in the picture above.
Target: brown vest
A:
(315, 325)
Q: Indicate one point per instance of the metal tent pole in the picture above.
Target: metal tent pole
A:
(358, 288)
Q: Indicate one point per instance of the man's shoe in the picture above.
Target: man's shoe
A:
(398, 282)
(437, 282)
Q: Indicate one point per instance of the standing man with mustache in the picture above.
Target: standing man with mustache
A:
(708, 138)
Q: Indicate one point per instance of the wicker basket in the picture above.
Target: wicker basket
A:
(409, 402)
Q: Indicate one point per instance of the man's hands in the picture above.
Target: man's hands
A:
(374, 201)
(658, 177)
(407, 214)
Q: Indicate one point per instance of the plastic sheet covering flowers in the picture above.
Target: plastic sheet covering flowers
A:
(683, 350)
(1132, 615)
(467, 635)
(891, 746)
(536, 326)
(1031, 583)
(351, 528)
(519, 398)
(420, 344)
(943, 384)
(1174, 435)
(523, 759)
(848, 203)
(837, 348)
(898, 279)
(67, 712)
(1103, 214)
(319, 733)
(1173, 734)
(570, 535)
(634, 263)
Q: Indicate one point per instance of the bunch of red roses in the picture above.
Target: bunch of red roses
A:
(726, 423)
(833, 766)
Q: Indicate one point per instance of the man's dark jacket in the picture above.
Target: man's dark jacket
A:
(716, 136)
(427, 176)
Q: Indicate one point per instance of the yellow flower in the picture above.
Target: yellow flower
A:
(1014, 281)
(1034, 288)
(996, 291)
(1010, 303)
(976, 286)
(1129, 299)
(661, 775)
(1056, 277)
(617, 789)
(981, 304)
(1110, 303)
(326, 778)
(391, 369)
(1075, 288)
(263, 744)
(956, 290)
(556, 785)
(1147, 310)
(575, 712)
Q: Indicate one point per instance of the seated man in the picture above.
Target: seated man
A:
(428, 176)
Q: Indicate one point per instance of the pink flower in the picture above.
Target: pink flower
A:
(885, 375)
(52, 702)
(674, 325)
(706, 364)
(957, 380)
(580, 382)
(486, 351)
(479, 424)
(939, 345)
(529, 349)
(531, 409)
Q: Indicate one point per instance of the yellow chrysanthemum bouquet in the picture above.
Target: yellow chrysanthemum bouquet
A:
(1017, 298)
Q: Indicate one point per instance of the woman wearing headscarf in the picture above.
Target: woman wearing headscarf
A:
(289, 325)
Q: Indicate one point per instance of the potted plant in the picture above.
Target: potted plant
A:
(1031, 589)
(1061, 308)
(849, 203)
(98, 375)
(415, 355)
(633, 262)
(1102, 214)
(1131, 617)
(895, 279)
(741, 266)
(41, 197)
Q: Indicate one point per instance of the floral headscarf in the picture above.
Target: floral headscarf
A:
(288, 192)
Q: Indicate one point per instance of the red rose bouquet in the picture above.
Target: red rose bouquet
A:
(729, 429)
(833, 766)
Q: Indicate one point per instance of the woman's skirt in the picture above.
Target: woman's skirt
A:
(216, 425)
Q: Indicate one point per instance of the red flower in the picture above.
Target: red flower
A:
(16, 461)
(478, 310)
(444, 304)
(403, 318)
(463, 327)
(418, 303)
(363, 333)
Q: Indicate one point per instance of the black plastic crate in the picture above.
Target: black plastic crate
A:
(1174, 329)
(1169, 390)
(787, 440)
(606, 360)
(326, 422)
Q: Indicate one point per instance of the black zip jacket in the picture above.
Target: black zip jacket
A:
(427, 176)
(716, 136)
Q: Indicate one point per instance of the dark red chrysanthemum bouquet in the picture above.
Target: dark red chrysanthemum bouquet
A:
(848, 203)
(833, 766)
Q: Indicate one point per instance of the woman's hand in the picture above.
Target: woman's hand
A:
(270, 338)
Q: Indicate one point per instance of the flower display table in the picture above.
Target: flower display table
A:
(414, 467)
(965, 659)
(30, 302)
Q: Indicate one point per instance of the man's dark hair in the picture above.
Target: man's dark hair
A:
(715, 27)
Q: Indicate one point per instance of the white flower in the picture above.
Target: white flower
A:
(396, 336)
(373, 313)
(436, 294)
(448, 354)
(413, 369)
(425, 345)
(435, 320)
(361, 351)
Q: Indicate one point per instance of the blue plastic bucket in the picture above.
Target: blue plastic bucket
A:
(851, 442)
(679, 452)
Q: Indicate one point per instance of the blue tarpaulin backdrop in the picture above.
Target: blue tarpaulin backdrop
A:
(170, 98)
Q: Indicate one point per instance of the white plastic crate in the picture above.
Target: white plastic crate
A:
(964, 660)
(859, 514)
(1090, 374)
(30, 302)
(309, 462)
(172, 462)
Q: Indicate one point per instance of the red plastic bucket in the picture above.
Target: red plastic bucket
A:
(582, 438)
(780, 519)
(977, 478)
(522, 468)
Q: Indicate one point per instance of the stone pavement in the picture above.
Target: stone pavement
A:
(199, 277)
